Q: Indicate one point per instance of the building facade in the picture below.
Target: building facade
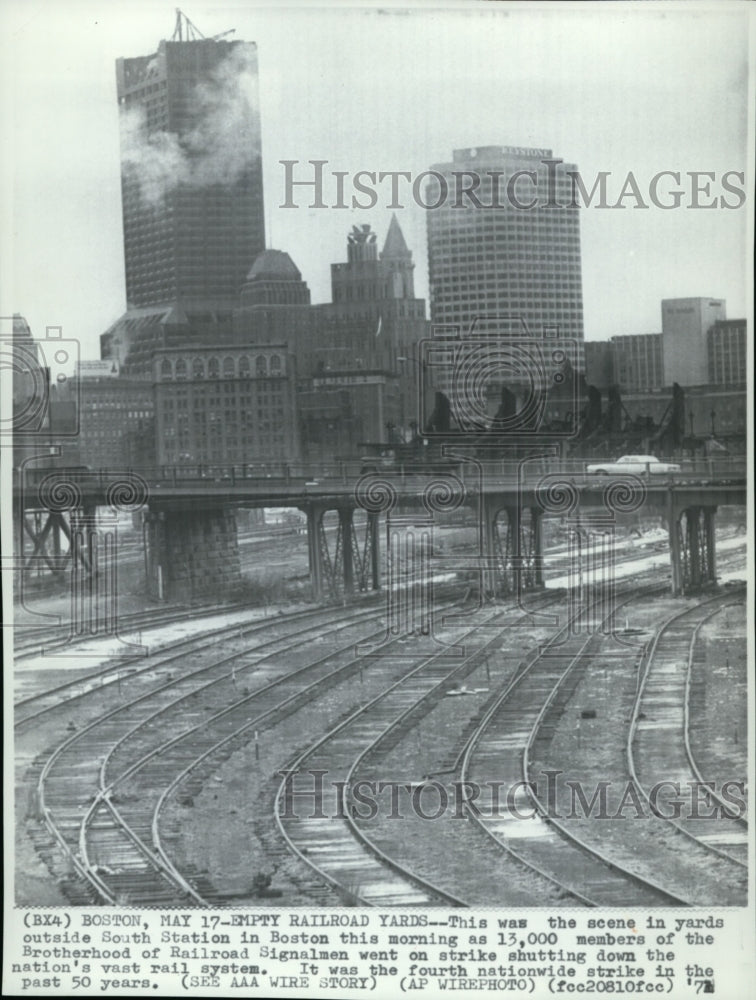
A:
(225, 406)
(508, 251)
(727, 350)
(599, 363)
(718, 411)
(116, 423)
(685, 327)
(191, 236)
(638, 361)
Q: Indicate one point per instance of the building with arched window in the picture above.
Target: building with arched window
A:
(225, 406)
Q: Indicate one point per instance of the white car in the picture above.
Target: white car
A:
(637, 465)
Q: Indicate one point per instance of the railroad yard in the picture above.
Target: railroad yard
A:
(276, 752)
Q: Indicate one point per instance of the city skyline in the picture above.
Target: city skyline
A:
(378, 418)
(395, 111)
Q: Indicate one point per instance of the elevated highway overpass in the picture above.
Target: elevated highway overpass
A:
(190, 529)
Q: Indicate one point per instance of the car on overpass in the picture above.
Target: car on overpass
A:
(637, 465)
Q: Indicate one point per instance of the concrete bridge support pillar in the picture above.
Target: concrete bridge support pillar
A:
(673, 529)
(375, 551)
(514, 535)
(155, 554)
(192, 554)
(492, 549)
(692, 543)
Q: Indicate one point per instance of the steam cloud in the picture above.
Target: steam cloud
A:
(217, 150)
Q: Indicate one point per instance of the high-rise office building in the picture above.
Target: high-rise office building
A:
(191, 181)
(191, 170)
(504, 242)
(685, 327)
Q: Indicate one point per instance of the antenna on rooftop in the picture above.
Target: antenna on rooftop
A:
(185, 31)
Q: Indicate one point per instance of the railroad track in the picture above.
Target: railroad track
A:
(500, 749)
(146, 871)
(658, 746)
(109, 848)
(33, 640)
(716, 748)
(338, 849)
(460, 855)
(34, 707)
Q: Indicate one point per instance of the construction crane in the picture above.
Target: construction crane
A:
(186, 31)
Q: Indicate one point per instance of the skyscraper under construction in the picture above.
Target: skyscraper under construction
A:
(191, 181)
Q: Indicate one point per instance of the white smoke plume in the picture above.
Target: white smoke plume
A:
(222, 144)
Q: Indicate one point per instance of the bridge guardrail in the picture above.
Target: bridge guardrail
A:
(528, 473)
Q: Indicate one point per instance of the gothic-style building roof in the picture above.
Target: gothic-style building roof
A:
(395, 245)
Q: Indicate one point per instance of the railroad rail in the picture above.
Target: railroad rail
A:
(60, 795)
(501, 744)
(107, 830)
(475, 850)
(658, 746)
(337, 849)
(31, 640)
(115, 849)
(35, 706)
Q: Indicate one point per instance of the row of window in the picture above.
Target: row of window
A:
(201, 399)
(229, 368)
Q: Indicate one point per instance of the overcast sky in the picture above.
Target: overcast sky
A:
(644, 89)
